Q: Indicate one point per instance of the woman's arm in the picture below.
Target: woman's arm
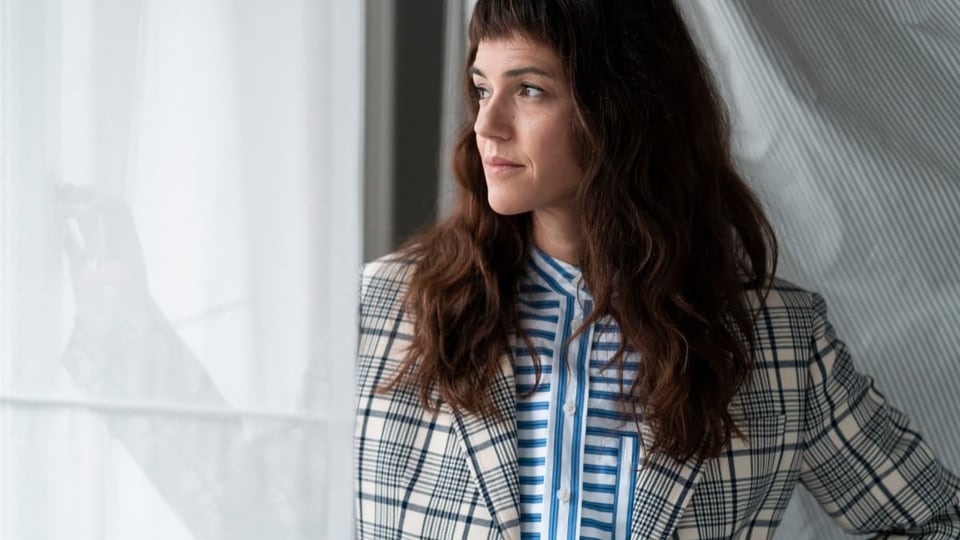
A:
(224, 473)
(865, 464)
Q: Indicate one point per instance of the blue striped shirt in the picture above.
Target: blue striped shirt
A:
(578, 453)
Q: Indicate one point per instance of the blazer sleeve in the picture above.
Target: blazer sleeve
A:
(863, 461)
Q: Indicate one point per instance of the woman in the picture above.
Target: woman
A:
(593, 344)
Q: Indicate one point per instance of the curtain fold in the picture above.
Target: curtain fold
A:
(845, 122)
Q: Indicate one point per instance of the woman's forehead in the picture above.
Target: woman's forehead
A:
(516, 49)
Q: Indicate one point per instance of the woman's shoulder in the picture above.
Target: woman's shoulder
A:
(392, 266)
(784, 295)
(788, 309)
(383, 281)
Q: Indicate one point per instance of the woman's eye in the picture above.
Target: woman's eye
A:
(481, 92)
(531, 91)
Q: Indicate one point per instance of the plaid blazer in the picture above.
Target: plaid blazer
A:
(808, 417)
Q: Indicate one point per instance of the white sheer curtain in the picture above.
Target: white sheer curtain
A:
(179, 245)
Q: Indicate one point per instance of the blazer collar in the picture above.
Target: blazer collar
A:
(490, 444)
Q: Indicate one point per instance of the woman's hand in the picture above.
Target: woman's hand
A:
(106, 262)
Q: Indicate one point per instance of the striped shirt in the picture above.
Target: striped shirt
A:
(578, 454)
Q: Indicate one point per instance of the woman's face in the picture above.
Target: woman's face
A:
(524, 128)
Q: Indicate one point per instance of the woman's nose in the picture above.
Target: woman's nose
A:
(494, 119)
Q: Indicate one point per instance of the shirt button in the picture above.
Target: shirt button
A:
(563, 495)
(569, 407)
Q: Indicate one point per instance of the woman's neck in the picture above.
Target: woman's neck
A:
(557, 234)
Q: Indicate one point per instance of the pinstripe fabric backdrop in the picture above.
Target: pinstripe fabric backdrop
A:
(847, 121)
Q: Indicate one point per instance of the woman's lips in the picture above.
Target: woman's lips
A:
(498, 165)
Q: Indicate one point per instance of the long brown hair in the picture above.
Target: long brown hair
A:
(673, 239)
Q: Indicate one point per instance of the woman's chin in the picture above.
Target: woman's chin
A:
(506, 206)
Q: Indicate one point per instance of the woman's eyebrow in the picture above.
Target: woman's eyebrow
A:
(515, 72)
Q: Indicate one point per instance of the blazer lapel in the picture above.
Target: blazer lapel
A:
(663, 490)
(490, 444)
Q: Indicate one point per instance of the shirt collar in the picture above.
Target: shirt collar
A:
(554, 274)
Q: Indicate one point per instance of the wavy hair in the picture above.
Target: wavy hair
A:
(673, 239)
